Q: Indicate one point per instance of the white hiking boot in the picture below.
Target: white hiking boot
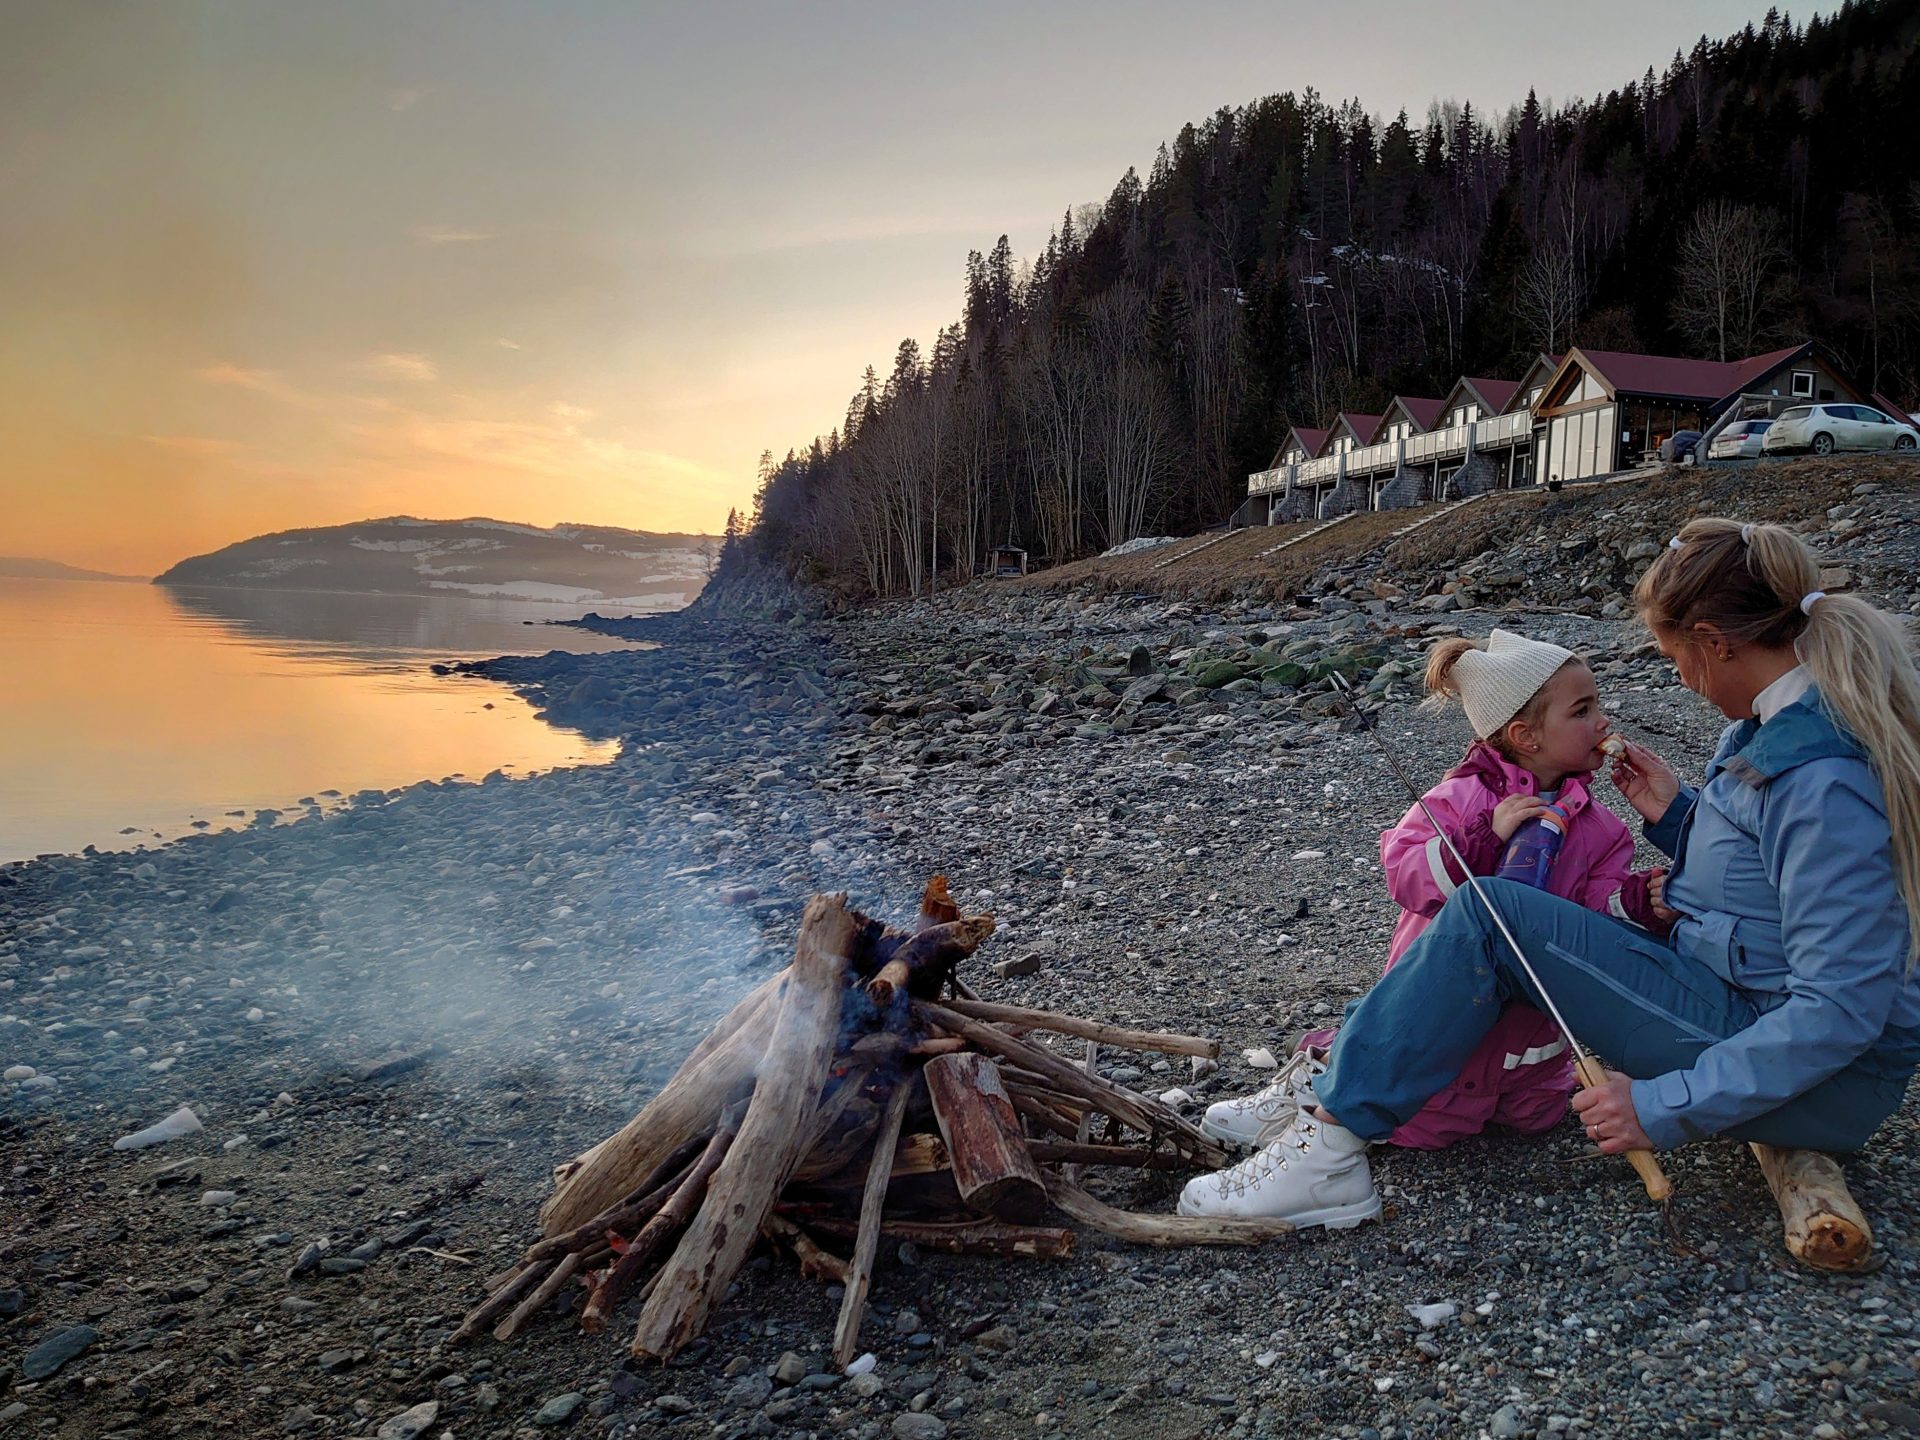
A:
(1309, 1172)
(1246, 1120)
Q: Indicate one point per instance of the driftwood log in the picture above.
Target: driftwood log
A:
(991, 1165)
(863, 1094)
(769, 1145)
(1824, 1227)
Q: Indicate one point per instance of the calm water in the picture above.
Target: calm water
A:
(129, 708)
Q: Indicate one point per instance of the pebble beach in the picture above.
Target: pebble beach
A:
(390, 1023)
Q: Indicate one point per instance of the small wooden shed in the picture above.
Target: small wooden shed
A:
(1009, 562)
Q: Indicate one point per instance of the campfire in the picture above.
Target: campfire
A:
(864, 1092)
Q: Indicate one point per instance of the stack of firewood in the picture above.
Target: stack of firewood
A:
(863, 1092)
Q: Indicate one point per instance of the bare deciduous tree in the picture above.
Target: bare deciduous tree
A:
(1548, 294)
(1134, 414)
(1731, 265)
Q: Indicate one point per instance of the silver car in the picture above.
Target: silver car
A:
(1823, 429)
(1739, 441)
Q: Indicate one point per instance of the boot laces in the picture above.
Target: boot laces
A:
(1282, 1096)
(1292, 1135)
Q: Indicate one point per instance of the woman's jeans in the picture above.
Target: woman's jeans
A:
(1630, 998)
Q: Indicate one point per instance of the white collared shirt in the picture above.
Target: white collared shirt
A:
(1781, 693)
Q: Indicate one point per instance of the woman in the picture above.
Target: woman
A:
(1784, 1007)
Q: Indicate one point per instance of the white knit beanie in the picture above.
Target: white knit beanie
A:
(1496, 683)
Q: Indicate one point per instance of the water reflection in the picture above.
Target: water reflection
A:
(384, 631)
(130, 713)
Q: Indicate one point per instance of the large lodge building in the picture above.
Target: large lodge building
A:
(1576, 416)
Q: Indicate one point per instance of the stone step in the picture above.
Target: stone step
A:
(1205, 544)
(1319, 529)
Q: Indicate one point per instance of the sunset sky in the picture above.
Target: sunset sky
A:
(269, 264)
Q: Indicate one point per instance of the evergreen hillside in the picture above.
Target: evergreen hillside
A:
(1291, 257)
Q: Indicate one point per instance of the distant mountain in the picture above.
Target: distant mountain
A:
(27, 567)
(569, 564)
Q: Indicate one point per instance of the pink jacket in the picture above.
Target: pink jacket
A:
(1521, 1074)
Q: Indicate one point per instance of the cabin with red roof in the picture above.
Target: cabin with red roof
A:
(1350, 431)
(1526, 392)
(1569, 417)
(1300, 446)
(1604, 410)
(1475, 397)
(1407, 415)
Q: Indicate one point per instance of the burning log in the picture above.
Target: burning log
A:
(810, 1111)
(932, 950)
(1825, 1227)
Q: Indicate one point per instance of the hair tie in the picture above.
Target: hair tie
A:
(1746, 534)
(1806, 600)
(1674, 543)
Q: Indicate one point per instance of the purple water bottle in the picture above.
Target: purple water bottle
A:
(1530, 853)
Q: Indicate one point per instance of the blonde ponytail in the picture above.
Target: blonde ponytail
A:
(1750, 581)
(1859, 657)
(1439, 678)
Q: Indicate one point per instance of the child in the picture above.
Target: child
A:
(1536, 711)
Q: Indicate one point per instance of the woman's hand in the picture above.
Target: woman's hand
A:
(1646, 780)
(1607, 1112)
(1513, 812)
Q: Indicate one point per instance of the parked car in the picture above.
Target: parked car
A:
(1739, 441)
(1679, 445)
(1823, 429)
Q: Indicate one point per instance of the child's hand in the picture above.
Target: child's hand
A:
(1514, 811)
(1646, 780)
(1657, 896)
(1641, 900)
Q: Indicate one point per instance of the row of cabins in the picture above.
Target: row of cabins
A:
(1576, 416)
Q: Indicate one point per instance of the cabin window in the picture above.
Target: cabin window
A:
(1803, 384)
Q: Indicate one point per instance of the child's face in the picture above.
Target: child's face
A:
(1570, 727)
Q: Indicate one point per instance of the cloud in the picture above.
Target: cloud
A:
(571, 412)
(404, 99)
(265, 382)
(506, 344)
(203, 445)
(417, 369)
(421, 445)
(446, 235)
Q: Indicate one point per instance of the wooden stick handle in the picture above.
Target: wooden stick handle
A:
(1592, 1075)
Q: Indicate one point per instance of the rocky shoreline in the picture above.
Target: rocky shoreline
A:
(392, 1022)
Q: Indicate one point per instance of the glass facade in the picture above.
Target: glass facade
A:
(1581, 445)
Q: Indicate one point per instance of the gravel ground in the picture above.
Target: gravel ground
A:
(393, 1022)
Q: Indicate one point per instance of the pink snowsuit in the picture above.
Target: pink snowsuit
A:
(1521, 1075)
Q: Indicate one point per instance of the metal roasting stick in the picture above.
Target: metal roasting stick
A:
(1588, 1069)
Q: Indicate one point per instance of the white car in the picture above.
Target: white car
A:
(1823, 429)
(1739, 441)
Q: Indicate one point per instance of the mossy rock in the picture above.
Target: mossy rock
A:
(1288, 673)
(1217, 673)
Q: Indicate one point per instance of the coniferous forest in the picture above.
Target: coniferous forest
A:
(1292, 257)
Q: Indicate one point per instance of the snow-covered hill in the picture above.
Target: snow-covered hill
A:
(568, 564)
